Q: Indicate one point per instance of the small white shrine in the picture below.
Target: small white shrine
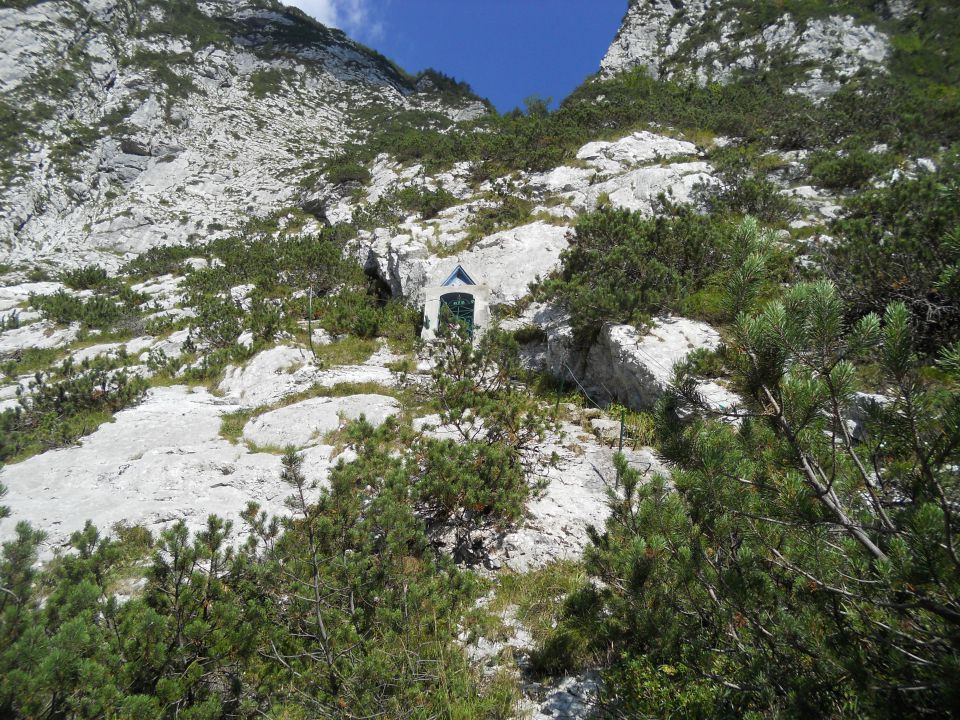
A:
(468, 302)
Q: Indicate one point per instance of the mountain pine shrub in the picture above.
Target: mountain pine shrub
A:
(486, 472)
(341, 610)
(625, 267)
(902, 244)
(791, 570)
(58, 410)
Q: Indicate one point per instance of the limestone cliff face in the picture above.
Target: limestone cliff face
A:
(717, 41)
(126, 124)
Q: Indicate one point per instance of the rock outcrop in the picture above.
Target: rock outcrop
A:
(284, 370)
(633, 173)
(134, 129)
(713, 41)
(157, 463)
(624, 365)
(304, 424)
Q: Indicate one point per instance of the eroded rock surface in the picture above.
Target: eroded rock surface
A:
(669, 39)
(156, 463)
(630, 173)
(305, 423)
(575, 498)
(509, 260)
(165, 460)
(573, 697)
(284, 370)
(227, 133)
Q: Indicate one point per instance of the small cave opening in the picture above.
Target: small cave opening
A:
(378, 287)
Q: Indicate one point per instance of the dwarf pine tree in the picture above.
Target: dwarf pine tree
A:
(902, 244)
(343, 610)
(483, 475)
(792, 570)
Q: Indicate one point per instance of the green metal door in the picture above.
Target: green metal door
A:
(461, 306)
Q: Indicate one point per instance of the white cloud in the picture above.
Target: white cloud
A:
(354, 17)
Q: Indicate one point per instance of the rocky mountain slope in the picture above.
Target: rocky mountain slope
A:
(271, 200)
(129, 123)
(716, 41)
(177, 123)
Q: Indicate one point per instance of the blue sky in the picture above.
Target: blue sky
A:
(506, 49)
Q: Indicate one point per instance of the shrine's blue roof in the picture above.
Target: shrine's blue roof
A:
(459, 274)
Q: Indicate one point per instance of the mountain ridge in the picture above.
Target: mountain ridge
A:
(147, 85)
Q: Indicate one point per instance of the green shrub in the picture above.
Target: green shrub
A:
(481, 477)
(10, 321)
(783, 548)
(846, 169)
(901, 244)
(76, 140)
(394, 207)
(349, 350)
(745, 189)
(283, 272)
(226, 624)
(183, 19)
(30, 360)
(341, 172)
(509, 211)
(53, 413)
(447, 87)
(162, 260)
(218, 322)
(89, 277)
(639, 428)
(118, 313)
(425, 203)
(38, 274)
(530, 334)
(626, 267)
(266, 81)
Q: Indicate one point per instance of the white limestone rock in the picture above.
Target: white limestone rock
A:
(506, 262)
(900, 9)
(43, 335)
(720, 399)
(661, 36)
(18, 316)
(637, 366)
(625, 365)
(169, 169)
(164, 291)
(283, 370)
(573, 697)
(644, 36)
(156, 463)
(305, 423)
(575, 498)
(636, 149)
(14, 295)
(639, 190)
(400, 261)
(564, 179)
(172, 345)
(509, 261)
